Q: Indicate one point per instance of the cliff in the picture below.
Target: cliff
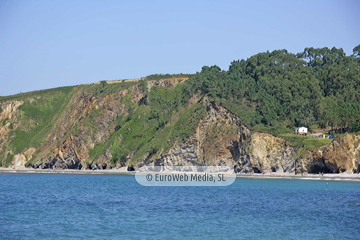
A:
(111, 125)
(340, 156)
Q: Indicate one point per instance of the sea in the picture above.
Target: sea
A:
(71, 206)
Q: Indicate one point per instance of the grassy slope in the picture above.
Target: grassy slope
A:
(152, 127)
(37, 116)
(149, 129)
(305, 143)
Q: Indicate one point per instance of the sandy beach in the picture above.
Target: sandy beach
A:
(65, 171)
(325, 177)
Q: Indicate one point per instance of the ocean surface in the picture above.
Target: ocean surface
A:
(55, 206)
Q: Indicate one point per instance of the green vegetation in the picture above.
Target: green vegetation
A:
(151, 127)
(39, 116)
(103, 88)
(317, 86)
(166, 76)
(39, 93)
(271, 92)
(276, 131)
(7, 161)
(305, 142)
(4, 121)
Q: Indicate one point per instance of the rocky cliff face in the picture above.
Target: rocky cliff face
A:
(266, 153)
(77, 136)
(343, 155)
(340, 156)
(8, 117)
(215, 141)
(219, 138)
(8, 121)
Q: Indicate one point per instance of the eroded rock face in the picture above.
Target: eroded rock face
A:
(19, 161)
(340, 156)
(267, 153)
(343, 155)
(9, 109)
(104, 162)
(73, 151)
(67, 156)
(221, 139)
(8, 117)
(186, 153)
(215, 142)
(165, 82)
(312, 162)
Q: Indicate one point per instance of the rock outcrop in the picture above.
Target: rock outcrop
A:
(8, 116)
(90, 119)
(343, 155)
(221, 139)
(215, 142)
(267, 153)
(340, 156)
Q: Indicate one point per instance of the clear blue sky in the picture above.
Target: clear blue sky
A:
(46, 44)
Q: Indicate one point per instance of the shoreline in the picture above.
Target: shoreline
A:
(123, 171)
(66, 171)
(310, 176)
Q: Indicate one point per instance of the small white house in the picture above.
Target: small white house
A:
(301, 130)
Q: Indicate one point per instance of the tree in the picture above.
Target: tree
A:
(308, 88)
(103, 85)
(356, 52)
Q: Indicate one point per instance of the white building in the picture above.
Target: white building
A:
(301, 130)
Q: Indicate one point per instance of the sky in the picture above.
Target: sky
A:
(46, 44)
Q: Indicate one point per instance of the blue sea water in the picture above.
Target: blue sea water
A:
(54, 206)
